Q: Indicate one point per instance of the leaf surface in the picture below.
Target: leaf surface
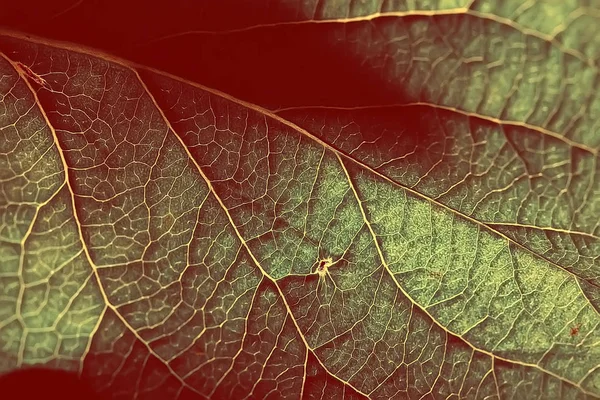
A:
(439, 240)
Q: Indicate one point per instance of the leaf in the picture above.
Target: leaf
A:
(336, 52)
(438, 239)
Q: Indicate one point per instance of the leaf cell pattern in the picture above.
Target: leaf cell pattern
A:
(165, 239)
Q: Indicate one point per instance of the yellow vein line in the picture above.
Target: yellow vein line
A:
(389, 14)
(235, 228)
(532, 32)
(304, 368)
(345, 20)
(92, 335)
(80, 234)
(66, 9)
(542, 228)
(472, 114)
(424, 310)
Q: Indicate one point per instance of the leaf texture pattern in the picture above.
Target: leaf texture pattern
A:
(167, 240)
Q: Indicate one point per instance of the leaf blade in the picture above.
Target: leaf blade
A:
(283, 277)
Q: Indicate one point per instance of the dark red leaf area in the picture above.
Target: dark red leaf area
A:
(45, 383)
(275, 64)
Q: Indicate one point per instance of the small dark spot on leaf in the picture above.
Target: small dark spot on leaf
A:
(321, 266)
(436, 274)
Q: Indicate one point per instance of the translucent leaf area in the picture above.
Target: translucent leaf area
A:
(160, 238)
